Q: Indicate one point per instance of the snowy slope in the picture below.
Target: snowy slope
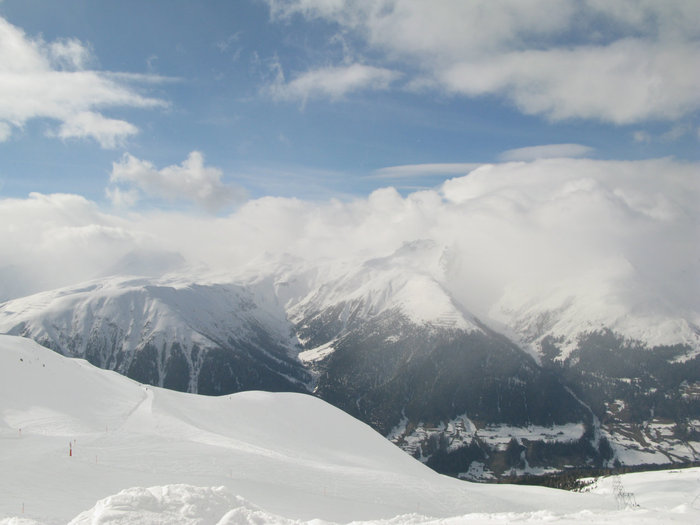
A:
(77, 442)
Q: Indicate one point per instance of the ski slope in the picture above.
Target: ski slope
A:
(82, 445)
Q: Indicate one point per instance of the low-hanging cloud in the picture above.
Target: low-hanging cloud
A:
(190, 181)
(613, 61)
(609, 232)
(58, 240)
(40, 80)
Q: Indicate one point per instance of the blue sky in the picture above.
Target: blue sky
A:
(322, 98)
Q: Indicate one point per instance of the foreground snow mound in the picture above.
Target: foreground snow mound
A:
(181, 504)
(652, 497)
(18, 521)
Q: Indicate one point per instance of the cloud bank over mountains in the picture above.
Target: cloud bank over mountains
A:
(545, 222)
(547, 229)
(615, 62)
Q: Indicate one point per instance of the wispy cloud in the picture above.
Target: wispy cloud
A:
(642, 136)
(672, 134)
(546, 151)
(424, 170)
(50, 81)
(332, 82)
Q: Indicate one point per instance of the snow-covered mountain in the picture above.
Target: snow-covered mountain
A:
(408, 282)
(537, 386)
(83, 445)
(568, 313)
(210, 338)
(631, 356)
(609, 385)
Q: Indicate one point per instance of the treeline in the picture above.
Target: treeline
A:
(575, 478)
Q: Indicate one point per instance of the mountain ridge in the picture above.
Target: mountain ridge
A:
(388, 342)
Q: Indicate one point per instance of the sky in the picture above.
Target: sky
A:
(223, 131)
(322, 98)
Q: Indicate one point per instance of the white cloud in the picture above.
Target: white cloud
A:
(625, 82)
(190, 181)
(108, 132)
(437, 30)
(69, 54)
(49, 80)
(122, 198)
(606, 231)
(547, 151)
(425, 170)
(58, 240)
(332, 82)
(615, 61)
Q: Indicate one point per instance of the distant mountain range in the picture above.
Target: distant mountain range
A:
(542, 384)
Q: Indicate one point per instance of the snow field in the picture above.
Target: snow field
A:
(83, 444)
